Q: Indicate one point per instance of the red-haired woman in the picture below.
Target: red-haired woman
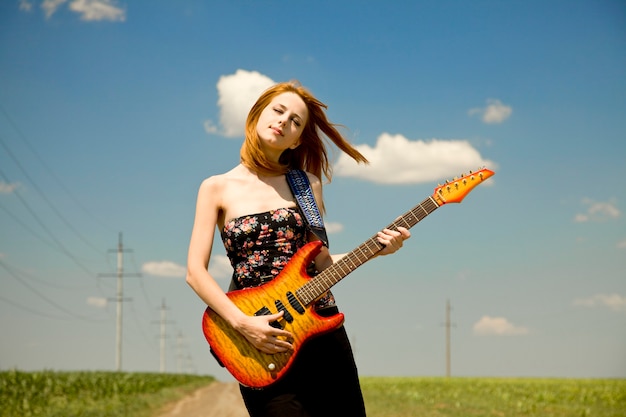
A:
(262, 228)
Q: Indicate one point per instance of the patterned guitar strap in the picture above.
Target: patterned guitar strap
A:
(301, 189)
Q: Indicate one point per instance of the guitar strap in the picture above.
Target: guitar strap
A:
(301, 189)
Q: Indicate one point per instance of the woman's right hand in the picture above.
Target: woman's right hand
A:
(263, 336)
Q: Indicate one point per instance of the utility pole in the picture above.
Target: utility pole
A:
(163, 336)
(179, 352)
(184, 363)
(119, 298)
(448, 325)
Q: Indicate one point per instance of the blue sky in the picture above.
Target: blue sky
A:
(112, 113)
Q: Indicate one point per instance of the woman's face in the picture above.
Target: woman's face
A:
(281, 123)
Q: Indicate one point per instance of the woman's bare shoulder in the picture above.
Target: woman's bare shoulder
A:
(219, 181)
(312, 177)
(315, 181)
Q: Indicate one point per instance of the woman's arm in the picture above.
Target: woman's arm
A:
(256, 329)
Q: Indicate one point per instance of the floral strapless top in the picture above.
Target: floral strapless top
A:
(260, 245)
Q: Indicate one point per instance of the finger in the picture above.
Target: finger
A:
(394, 234)
(384, 237)
(389, 236)
(274, 317)
(390, 242)
(283, 338)
(276, 348)
(280, 336)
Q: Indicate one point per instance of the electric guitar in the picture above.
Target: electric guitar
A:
(294, 292)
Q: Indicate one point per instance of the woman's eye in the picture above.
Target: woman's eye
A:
(279, 110)
(296, 121)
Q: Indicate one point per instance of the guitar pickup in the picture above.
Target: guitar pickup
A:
(286, 314)
(295, 303)
(264, 311)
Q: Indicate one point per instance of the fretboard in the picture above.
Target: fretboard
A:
(318, 285)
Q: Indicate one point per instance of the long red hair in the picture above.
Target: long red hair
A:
(311, 154)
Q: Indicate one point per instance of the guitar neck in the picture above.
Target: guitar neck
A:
(321, 283)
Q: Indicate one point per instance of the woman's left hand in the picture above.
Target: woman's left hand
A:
(392, 240)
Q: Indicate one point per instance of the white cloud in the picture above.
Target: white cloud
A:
(397, 160)
(581, 218)
(164, 269)
(89, 10)
(94, 10)
(597, 211)
(6, 188)
(51, 6)
(210, 127)
(332, 227)
(495, 112)
(98, 302)
(237, 93)
(497, 326)
(220, 267)
(26, 5)
(614, 302)
(394, 159)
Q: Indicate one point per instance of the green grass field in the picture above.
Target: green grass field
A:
(469, 397)
(91, 394)
(104, 394)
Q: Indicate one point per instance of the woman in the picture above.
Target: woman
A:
(261, 226)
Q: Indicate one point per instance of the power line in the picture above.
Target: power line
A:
(28, 228)
(45, 198)
(43, 297)
(42, 163)
(33, 311)
(48, 283)
(141, 282)
(60, 245)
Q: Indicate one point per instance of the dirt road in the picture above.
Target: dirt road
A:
(220, 399)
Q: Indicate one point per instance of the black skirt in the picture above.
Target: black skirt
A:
(323, 381)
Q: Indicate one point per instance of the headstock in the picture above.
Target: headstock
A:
(455, 191)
